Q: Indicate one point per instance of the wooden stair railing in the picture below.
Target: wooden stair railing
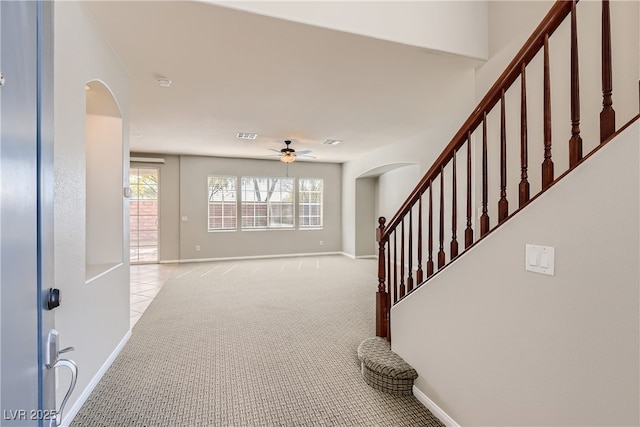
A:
(393, 283)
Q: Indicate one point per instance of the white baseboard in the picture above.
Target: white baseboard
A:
(73, 411)
(255, 257)
(435, 409)
(359, 256)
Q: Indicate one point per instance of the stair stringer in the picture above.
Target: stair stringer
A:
(494, 344)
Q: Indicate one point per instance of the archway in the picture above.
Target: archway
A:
(104, 225)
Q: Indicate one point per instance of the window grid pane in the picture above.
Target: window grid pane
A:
(222, 203)
(310, 205)
(267, 203)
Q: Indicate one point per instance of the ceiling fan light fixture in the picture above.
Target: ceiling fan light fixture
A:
(288, 158)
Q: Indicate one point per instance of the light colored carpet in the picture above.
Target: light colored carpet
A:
(252, 343)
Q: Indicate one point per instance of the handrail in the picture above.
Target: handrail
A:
(532, 46)
(390, 289)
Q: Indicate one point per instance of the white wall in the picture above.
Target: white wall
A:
(104, 203)
(192, 200)
(497, 345)
(458, 27)
(395, 185)
(421, 149)
(94, 317)
(183, 192)
(366, 217)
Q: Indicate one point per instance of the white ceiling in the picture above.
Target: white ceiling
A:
(234, 71)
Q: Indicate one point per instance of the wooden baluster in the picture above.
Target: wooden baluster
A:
(430, 238)
(523, 189)
(395, 266)
(403, 289)
(441, 254)
(503, 204)
(382, 309)
(454, 212)
(608, 114)
(484, 219)
(410, 253)
(391, 291)
(468, 232)
(575, 143)
(419, 273)
(547, 164)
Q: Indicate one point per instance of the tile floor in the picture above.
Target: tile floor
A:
(145, 283)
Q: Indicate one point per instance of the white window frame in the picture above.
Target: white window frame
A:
(304, 199)
(233, 194)
(269, 188)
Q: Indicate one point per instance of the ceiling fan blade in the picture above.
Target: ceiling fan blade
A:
(273, 149)
(304, 152)
(307, 156)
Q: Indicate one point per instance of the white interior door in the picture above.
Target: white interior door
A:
(26, 211)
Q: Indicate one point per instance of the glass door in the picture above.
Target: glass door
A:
(143, 215)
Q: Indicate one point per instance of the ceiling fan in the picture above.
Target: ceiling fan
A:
(288, 154)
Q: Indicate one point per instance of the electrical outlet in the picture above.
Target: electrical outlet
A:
(197, 247)
(321, 243)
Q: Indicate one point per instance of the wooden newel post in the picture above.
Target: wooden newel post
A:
(381, 296)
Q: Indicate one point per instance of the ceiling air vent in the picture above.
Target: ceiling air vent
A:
(246, 135)
(332, 142)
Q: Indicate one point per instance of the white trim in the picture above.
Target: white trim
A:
(146, 160)
(358, 256)
(255, 257)
(179, 261)
(73, 411)
(435, 409)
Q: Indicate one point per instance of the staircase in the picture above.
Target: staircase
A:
(454, 210)
(407, 258)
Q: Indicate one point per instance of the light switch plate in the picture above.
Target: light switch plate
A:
(540, 259)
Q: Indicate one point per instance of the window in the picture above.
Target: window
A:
(222, 203)
(267, 202)
(310, 202)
